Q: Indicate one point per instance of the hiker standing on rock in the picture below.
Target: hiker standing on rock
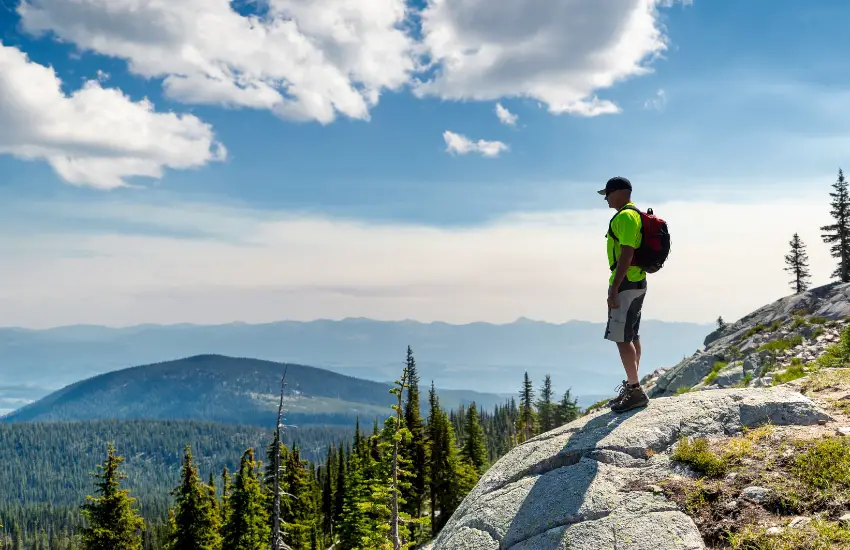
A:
(637, 243)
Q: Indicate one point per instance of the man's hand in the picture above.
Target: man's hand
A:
(613, 297)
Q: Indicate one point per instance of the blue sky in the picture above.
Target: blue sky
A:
(746, 105)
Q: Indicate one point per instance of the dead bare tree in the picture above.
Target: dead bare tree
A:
(277, 539)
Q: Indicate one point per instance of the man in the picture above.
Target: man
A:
(626, 290)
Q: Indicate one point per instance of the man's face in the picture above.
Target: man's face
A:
(613, 199)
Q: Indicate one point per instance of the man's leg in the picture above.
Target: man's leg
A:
(628, 344)
(630, 357)
(637, 350)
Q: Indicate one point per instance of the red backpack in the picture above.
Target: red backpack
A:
(655, 241)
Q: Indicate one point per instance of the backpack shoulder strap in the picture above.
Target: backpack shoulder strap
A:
(610, 230)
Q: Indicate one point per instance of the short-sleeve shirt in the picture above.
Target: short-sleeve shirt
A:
(626, 226)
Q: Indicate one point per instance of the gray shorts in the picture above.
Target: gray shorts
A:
(624, 322)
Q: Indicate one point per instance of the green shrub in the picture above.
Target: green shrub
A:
(817, 320)
(775, 326)
(783, 344)
(696, 454)
(798, 322)
(824, 468)
(684, 390)
(792, 373)
(755, 330)
(720, 365)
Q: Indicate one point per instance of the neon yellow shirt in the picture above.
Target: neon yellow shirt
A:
(626, 226)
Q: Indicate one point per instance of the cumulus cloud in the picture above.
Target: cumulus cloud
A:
(302, 59)
(308, 60)
(95, 136)
(559, 52)
(260, 265)
(505, 116)
(462, 145)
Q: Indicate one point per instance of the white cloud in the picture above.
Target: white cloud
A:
(462, 145)
(308, 60)
(657, 102)
(559, 52)
(505, 116)
(95, 136)
(304, 60)
(260, 266)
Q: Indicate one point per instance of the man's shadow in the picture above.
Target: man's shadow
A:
(558, 494)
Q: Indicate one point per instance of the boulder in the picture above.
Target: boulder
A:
(730, 376)
(588, 484)
(753, 364)
(686, 374)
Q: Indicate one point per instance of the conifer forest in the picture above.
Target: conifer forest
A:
(390, 483)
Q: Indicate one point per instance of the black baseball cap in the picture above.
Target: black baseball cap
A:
(616, 184)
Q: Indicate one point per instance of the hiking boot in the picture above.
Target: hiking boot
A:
(634, 398)
(621, 391)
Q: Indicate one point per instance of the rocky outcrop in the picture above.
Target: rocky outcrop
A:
(804, 324)
(583, 486)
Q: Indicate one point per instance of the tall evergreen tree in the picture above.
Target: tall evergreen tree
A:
(328, 492)
(474, 447)
(224, 510)
(545, 407)
(415, 450)
(352, 525)
(797, 262)
(300, 514)
(450, 478)
(195, 518)
(568, 409)
(526, 409)
(838, 233)
(113, 522)
(339, 495)
(247, 527)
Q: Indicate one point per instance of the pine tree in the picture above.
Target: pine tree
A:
(352, 525)
(414, 451)
(545, 407)
(568, 409)
(299, 515)
(798, 264)
(113, 522)
(195, 519)
(526, 409)
(450, 478)
(224, 510)
(838, 233)
(339, 495)
(247, 527)
(721, 324)
(328, 492)
(474, 447)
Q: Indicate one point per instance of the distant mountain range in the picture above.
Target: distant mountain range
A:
(477, 356)
(229, 390)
